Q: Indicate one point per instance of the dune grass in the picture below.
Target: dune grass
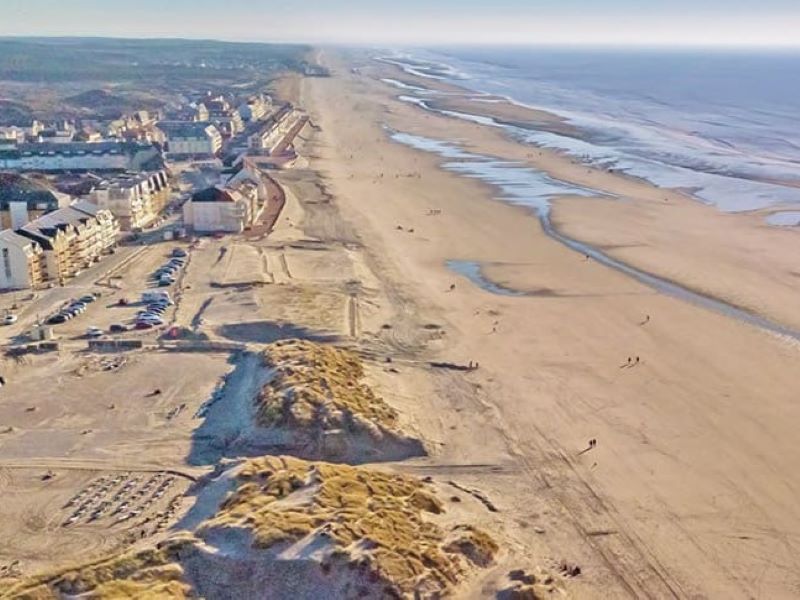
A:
(146, 575)
(381, 522)
(318, 386)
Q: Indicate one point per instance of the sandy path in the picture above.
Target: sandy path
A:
(690, 490)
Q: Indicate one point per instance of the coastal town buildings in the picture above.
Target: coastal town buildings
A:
(23, 199)
(255, 108)
(69, 239)
(135, 200)
(231, 207)
(78, 156)
(224, 116)
(61, 132)
(139, 126)
(271, 139)
(14, 134)
(190, 139)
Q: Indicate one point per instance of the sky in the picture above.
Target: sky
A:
(419, 22)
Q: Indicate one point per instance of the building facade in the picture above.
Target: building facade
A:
(230, 208)
(135, 200)
(191, 138)
(22, 262)
(77, 156)
(256, 108)
(72, 239)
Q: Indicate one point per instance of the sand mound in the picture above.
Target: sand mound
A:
(149, 574)
(317, 394)
(350, 530)
(294, 529)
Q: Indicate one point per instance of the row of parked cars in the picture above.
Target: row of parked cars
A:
(165, 274)
(157, 302)
(73, 309)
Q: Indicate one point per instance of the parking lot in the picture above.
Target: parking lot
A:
(117, 298)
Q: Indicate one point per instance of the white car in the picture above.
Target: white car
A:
(9, 319)
(94, 332)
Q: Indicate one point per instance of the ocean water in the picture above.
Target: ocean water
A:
(533, 189)
(723, 125)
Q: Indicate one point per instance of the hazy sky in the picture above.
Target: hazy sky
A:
(715, 22)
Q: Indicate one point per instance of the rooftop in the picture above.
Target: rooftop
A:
(7, 235)
(213, 194)
(71, 148)
(185, 129)
(18, 188)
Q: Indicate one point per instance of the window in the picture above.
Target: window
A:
(7, 264)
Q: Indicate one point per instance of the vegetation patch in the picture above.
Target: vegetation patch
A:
(380, 526)
(146, 575)
(317, 391)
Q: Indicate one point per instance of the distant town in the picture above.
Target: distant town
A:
(72, 190)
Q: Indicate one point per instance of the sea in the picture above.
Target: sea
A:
(722, 125)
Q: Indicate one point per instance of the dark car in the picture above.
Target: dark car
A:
(56, 319)
(87, 299)
(144, 325)
(118, 328)
(178, 252)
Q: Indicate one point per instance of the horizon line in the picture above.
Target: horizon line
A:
(418, 43)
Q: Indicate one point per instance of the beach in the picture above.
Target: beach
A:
(689, 489)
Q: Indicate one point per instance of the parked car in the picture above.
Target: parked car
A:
(178, 252)
(118, 328)
(9, 319)
(158, 310)
(87, 299)
(56, 319)
(94, 332)
(153, 295)
(143, 325)
(154, 319)
(166, 281)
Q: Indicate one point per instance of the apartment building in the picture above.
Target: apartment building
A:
(72, 238)
(78, 156)
(256, 108)
(271, 138)
(134, 199)
(190, 138)
(22, 262)
(231, 207)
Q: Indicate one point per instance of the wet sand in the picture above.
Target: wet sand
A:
(690, 489)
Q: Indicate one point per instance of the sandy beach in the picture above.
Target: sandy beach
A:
(595, 400)
(689, 489)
